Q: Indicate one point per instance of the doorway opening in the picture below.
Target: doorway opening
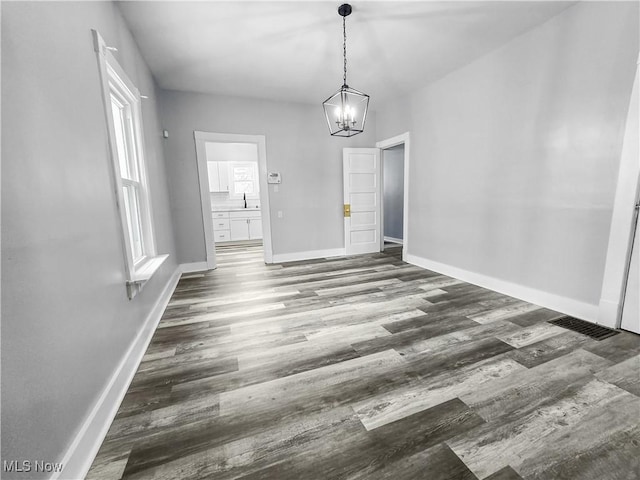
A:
(630, 317)
(392, 197)
(233, 186)
(394, 191)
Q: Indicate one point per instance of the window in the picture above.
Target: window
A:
(244, 180)
(124, 125)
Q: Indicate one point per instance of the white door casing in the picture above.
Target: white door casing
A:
(201, 138)
(361, 183)
(631, 307)
(622, 227)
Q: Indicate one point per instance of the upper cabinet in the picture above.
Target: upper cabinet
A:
(218, 176)
(239, 179)
(233, 168)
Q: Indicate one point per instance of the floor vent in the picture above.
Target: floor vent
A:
(592, 330)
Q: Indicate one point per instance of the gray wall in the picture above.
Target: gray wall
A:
(393, 190)
(514, 157)
(298, 146)
(66, 319)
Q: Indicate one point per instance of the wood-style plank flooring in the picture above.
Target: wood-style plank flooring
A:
(369, 368)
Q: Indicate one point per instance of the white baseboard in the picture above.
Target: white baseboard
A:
(609, 313)
(568, 306)
(193, 267)
(309, 255)
(84, 448)
(393, 240)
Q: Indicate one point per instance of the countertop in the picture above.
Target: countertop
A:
(235, 209)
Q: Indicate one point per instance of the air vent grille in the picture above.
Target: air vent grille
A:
(592, 330)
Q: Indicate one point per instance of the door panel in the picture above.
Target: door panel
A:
(360, 237)
(255, 228)
(362, 160)
(214, 180)
(363, 200)
(359, 219)
(223, 176)
(239, 229)
(361, 182)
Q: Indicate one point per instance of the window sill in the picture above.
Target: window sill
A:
(143, 273)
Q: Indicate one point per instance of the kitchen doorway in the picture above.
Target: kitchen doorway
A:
(233, 186)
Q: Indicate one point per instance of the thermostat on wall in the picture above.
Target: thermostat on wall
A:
(274, 177)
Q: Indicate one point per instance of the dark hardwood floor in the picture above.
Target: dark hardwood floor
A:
(369, 368)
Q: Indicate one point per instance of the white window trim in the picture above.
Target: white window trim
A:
(140, 271)
(256, 180)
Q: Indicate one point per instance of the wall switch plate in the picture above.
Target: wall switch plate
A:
(280, 214)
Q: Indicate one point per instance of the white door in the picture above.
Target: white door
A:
(631, 307)
(361, 180)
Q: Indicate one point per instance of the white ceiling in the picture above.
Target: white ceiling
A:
(293, 50)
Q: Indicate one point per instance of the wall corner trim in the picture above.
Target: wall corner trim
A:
(308, 255)
(83, 449)
(194, 267)
(568, 306)
(609, 313)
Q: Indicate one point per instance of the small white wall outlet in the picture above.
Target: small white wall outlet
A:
(280, 215)
(276, 188)
(165, 133)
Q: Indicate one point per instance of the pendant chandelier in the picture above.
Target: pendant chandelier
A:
(346, 110)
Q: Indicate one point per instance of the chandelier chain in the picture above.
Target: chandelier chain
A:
(344, 48)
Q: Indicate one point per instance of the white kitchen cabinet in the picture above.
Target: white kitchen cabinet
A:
(245, 225)
(236, 225)
(218, 176)
(239, 229)
(221, 224)
(255, 228)
(223, 236)
(223, 176)
(221, 227)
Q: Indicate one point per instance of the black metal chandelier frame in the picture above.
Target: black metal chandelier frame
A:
(347, 103)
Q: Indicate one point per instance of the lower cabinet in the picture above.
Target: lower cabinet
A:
(238, 226)
(255, 228)
(224, 236)
(221, 231)
(239, 229)
(246, 228)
